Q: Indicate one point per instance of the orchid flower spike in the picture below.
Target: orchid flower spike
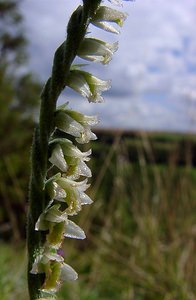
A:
(60, 170)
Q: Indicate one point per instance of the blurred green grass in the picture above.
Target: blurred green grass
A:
(141, 229)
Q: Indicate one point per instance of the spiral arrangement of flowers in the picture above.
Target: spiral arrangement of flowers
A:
(60, 172)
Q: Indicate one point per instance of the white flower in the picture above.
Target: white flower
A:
(88, 85)
(57, 159)
(96, 50)
(106, 15)
(55, 269)
(68, 273)
(43, 258)
(54, 190)
(50, 215)
(55, 215)
(76, 124)
(59, 193)
(75, 194)
(73, 231)
(71, 157)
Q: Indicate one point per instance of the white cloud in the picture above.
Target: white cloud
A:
(156, 57)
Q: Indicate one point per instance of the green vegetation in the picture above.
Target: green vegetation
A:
(140, 233)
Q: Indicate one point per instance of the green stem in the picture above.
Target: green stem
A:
(38, 198)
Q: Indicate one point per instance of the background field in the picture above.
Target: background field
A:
(141, 229)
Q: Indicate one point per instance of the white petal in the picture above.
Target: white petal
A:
(54, 215)
(105, 15)
(106, 26)
(84, 170)
(73, 231)
(97, 50)
(68, 273)
(78, 83)
(109, 14)
(35, 267)
(41, 223)
(57, 158)
(98, 84)
(79, 185)
(94, 58)
(83, 119)
(85, 199)
(59, 192)
(67, 124)
(70, 150)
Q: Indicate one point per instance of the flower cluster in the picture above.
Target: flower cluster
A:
(67, 196)
(67, 163)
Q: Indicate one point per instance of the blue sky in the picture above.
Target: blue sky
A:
(153, 73)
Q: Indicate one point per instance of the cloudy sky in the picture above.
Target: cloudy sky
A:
(153, 73)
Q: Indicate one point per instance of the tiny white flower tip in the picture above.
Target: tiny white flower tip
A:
(84, 170)
(85, 199)
(68, 273)
(86, 136)
(73, 231)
